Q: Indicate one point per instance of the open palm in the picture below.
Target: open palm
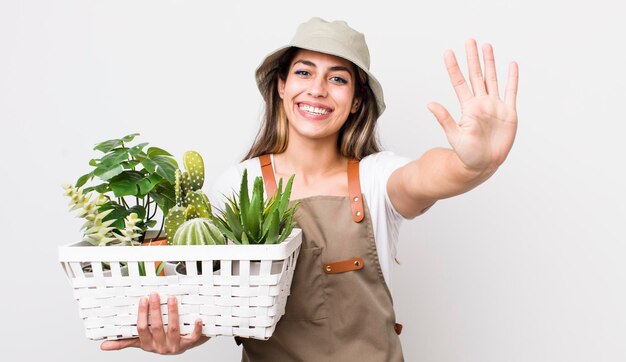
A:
(484, 135)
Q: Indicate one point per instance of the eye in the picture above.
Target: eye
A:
(339, 80)
(302, 73)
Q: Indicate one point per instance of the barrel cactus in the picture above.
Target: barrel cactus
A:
(198, 231)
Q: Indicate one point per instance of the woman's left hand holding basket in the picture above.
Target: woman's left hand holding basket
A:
(153, 336)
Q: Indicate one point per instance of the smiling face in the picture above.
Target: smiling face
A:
(318, 94)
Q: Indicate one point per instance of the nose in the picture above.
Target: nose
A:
(317, 87)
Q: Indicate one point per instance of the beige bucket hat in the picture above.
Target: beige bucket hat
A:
(335, 38)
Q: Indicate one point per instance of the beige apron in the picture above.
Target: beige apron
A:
(340, 308)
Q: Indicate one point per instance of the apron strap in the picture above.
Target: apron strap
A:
(268, 175)
(354, 188)
(354, 184)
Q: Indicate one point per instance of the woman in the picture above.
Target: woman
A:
(322, 104)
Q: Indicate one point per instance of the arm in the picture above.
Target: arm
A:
(480, 141)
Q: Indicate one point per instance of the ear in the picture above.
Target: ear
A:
(356, 103)
(281, 88)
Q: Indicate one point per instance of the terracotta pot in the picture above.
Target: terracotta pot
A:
(159, 241)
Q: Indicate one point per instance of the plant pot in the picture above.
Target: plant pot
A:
(157, 242)
(106, 270)
(181, 268)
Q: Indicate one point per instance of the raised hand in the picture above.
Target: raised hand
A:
(154, 337)
(484, 135)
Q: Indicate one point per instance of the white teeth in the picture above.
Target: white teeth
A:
(313, 110)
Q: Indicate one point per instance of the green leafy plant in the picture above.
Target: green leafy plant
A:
(254, 220)
(129, 179)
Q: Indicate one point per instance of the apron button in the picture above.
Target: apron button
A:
(356, 199)
(329, 268)
(357, 263)
(358, 213)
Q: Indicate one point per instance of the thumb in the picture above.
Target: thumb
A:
(119, 344)
(444, 118)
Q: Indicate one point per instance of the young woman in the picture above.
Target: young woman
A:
(322, 104)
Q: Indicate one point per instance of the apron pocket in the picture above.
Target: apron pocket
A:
(307, 300)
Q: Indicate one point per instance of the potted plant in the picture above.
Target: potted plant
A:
(254, 220)
(130, 184)
(189, 222)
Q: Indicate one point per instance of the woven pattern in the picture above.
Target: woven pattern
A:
(244, 297)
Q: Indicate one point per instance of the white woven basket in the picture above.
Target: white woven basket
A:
(246, 297)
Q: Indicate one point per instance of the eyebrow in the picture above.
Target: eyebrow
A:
(333, 68)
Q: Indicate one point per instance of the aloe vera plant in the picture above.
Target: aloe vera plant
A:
(253, 220)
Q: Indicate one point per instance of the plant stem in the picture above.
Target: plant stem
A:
(147, 206)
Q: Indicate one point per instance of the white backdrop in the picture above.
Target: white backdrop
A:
(527, 267)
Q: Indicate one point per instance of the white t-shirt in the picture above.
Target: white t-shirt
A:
(374, 171)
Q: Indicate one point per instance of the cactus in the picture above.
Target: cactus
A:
(195, 166)
(199, 231)
(191, 202)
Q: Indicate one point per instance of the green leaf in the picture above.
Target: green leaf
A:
(244, 197)
(272, 233)
(145, 186)
(83, 179)
(118, 214)
(229, 234)
(148, 164)
(253, 219)
(93, 162)
(129, 137)
(125, 184)
(102, 188)
(233, 222)
(166, 167)
(284, 200)
(107, 172)
(137, 209)
(129, 165)
(150, 224)
(163, 195)
(135, 150)
(115, 157)
(142, 269)
(107, 146)
(160, 268)
(155, 151)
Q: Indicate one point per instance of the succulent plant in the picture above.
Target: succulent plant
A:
(199, 231)
(191, 202)
(254, 220)
(97, 231)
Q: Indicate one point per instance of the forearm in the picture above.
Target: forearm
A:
(440, 174)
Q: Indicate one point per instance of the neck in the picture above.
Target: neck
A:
(310, 159)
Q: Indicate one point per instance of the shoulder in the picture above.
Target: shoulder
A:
(229, 180)
(374, 173)
(380, 162)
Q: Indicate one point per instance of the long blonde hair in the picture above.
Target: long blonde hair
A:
(357, 137)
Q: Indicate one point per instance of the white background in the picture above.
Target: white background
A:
(527, 267)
